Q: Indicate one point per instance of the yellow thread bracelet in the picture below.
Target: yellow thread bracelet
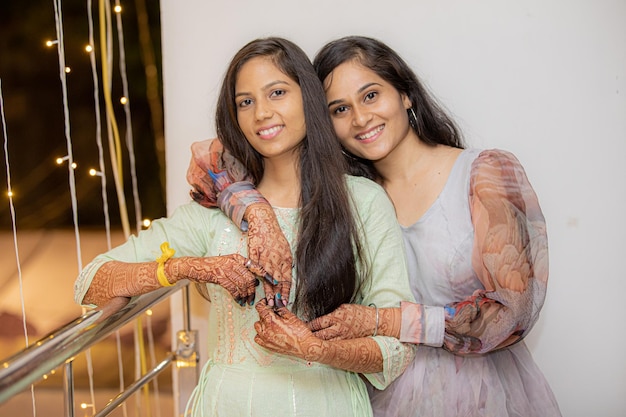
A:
(167, 254)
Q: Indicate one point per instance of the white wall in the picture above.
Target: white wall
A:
(545, 79)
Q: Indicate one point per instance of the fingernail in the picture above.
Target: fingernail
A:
(270, 302)
(269, 278)
(278, 296)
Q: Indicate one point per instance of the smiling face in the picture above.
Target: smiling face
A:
(368, 113)
(269, 106)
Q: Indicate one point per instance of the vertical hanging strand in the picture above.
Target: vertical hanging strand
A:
(152, 86)
(129, 125)
(133, 173)
(58, 18)
(14, 226)
(103, 184)
(115, 149)
(96, 99)
(113, 132)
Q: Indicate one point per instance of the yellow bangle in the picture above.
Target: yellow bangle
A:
(167, 254)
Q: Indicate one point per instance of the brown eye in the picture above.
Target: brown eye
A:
(245, 103)
(278, 93)
(340, 109)
(371, 95)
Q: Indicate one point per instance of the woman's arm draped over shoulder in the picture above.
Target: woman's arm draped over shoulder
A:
(211, 171)
(510, 257)
(220, 180)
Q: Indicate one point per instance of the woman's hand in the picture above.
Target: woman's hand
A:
(281, 331)
(238, 275)
(268, 247)
(351, 321)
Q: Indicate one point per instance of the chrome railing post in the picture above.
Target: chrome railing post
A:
(68, 388)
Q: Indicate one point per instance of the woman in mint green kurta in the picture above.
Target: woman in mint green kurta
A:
(241, 377)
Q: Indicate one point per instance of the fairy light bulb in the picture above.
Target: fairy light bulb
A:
(65, 158)
(10, 193)
(68, 70)
(146, 223)
(88, 48)
(123, 100)
(50, 43)
(117, 9)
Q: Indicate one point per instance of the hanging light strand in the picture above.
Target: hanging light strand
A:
(143, 368)
(58, 18)
(129, 124)
(96, 100)
(103, 182)
(14, 228)
(113, 131)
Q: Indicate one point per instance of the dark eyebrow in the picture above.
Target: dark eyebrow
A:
(265, 87)
(360, 90)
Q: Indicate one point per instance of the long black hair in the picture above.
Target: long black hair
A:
(426, 116)
(325, 255)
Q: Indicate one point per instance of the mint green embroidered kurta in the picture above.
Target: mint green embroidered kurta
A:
(243, 379)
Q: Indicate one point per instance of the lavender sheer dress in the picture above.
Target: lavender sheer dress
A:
(478, 264)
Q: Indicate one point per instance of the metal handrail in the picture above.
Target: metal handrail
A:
(30, 365)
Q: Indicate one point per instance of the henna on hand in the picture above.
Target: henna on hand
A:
(228, 271)
(352, 321)
(268, 247)
(281, 331)
(116, 279)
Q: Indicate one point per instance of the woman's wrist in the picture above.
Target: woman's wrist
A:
(390, 322)
(172, 268)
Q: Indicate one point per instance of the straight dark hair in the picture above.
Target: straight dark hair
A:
(325, 256)
(430, 121)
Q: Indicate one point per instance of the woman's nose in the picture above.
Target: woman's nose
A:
(263, 111)
(360, 116)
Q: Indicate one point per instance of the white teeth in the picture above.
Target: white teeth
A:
(371, 133)
(270, 130)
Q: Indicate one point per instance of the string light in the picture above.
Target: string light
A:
(123, 100)
(117, 9)
(68, 70)
(49, 43)
(10, 194)
(146, 223)
(65, 158)
(93, 172)
(88, 48)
